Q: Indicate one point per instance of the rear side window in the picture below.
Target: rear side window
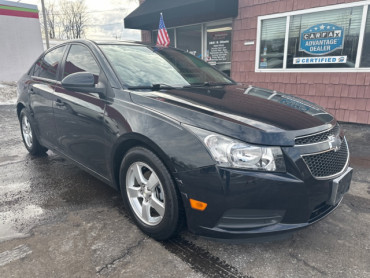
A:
(80, 59)
(47, 66)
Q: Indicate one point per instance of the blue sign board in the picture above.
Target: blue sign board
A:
(322, 39)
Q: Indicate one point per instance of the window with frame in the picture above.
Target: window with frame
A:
(365, 59)
(315, 39)
(218, 52)
(209, 41)
(324, 39)
(189, 39)
(272, 43)
(47, 66)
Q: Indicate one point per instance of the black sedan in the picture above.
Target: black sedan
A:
(182, 142)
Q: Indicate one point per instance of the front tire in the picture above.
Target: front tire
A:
(28, 134)
(150, 195)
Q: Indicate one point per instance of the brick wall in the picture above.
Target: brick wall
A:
(346, 95)
(146, 36)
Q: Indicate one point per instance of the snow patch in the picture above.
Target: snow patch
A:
(8, 93)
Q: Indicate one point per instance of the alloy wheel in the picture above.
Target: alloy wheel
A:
(27, 131)
(145, 193)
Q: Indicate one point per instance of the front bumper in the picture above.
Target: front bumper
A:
(245, 204)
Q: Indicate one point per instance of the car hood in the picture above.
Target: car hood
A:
(250, 114)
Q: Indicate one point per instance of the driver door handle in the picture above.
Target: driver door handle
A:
(59, 103)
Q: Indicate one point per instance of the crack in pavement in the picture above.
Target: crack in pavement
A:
(296, 257)
(127, 252)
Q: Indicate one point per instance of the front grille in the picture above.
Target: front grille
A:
(328, 163)
(319, 137)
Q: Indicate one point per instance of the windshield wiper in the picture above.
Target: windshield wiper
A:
(154, 87)
(208, 84)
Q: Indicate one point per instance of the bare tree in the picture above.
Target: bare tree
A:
(73, 18)
(51, 19)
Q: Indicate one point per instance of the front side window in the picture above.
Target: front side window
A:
(47, 66)
(80, 59)
(145, 66)
(326, 39)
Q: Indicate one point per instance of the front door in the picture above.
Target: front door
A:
(79, 117)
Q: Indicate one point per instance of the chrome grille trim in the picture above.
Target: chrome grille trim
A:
(312, 139)
(326, 151)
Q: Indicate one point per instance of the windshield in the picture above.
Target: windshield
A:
(140, 66)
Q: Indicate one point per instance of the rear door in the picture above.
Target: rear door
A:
(79, 116)
(41, 92)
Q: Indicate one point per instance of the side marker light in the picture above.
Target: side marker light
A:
(198, 205)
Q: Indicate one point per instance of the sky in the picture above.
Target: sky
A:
(105, 18)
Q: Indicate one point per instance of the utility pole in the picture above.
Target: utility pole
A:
(45, 25)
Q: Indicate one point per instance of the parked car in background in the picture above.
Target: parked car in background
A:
(182, 142)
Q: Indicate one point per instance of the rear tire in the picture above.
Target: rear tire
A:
(28, 134)
(150, 195)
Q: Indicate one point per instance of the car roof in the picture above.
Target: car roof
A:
(116, 42)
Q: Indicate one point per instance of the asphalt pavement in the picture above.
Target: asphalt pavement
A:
(58, 221)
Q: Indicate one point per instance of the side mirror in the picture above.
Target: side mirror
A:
(82, 82)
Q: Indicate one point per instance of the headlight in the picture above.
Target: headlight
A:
(228, 152)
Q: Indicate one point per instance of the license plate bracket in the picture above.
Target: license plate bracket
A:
(340, 186)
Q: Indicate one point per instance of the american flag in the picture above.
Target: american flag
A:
(163, 39)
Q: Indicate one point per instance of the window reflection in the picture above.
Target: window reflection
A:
(189, 39)
(47, 66)
(365, 59)
(272, 43)
(145, 66)
(79, 59)
(349, 19)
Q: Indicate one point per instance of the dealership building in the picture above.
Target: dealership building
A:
(315, 49)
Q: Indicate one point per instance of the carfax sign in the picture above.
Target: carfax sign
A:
(322, 39)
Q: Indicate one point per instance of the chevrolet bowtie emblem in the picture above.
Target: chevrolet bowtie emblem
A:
(334, 142)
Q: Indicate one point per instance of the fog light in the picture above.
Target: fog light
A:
(198, 205)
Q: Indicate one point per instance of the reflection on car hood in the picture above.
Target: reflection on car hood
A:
(252, 114)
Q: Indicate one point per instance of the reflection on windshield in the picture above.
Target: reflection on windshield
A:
(139, 66)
